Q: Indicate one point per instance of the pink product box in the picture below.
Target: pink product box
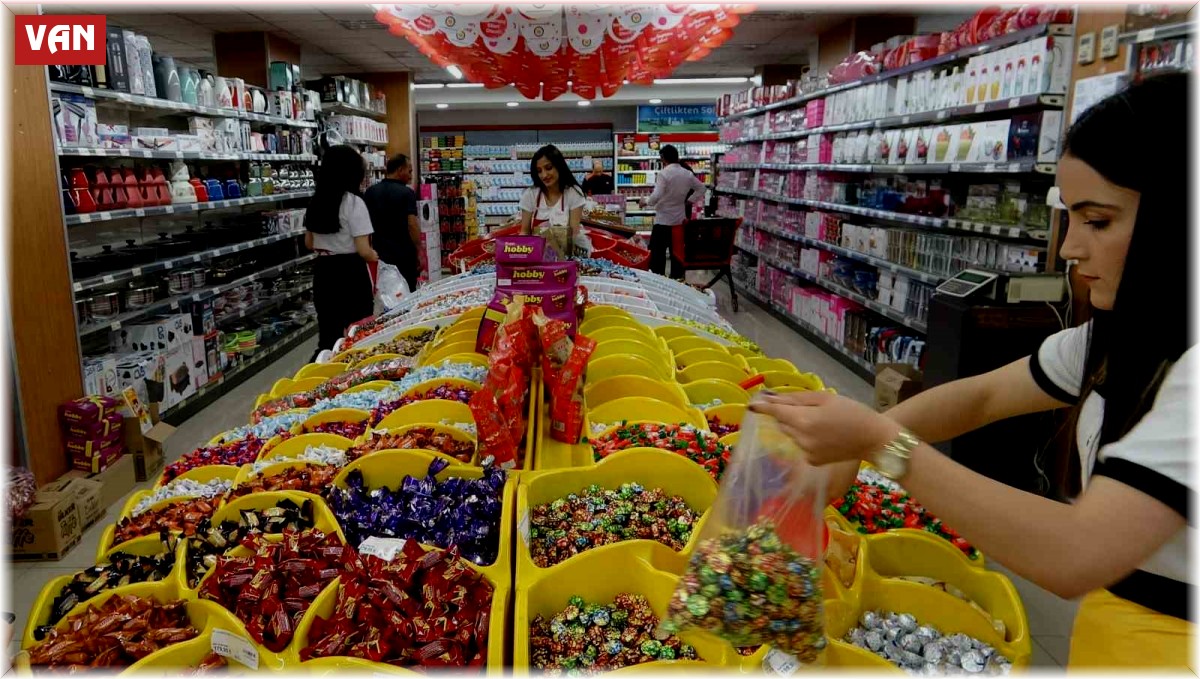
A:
(523, 250)
(105, 426)
(88, 447)
(87, 410)
(536, 276)
(556, 302)
(814, 113)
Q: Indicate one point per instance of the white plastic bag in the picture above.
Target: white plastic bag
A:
(582, 244)
(390, 287)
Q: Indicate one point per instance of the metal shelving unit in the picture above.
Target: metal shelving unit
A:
(89, 217)
(137, 101)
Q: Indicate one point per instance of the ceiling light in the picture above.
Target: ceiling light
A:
(429, 86)
(699, 81)
(443, 105)
(462, 85)
(454, 71)
(512, 104)
(656, 101)
(583, 102)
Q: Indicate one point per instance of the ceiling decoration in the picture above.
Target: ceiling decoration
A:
(545, 51)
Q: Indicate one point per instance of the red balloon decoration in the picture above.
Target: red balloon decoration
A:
(545, 51)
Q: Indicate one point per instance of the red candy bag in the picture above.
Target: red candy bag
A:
(564, 363)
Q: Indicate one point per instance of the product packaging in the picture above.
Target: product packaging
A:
(536, 276)
(564, 362)
(499, 407)
(523, 250)
(87, 410)
(755, 575)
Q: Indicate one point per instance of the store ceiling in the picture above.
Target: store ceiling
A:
(345, 38)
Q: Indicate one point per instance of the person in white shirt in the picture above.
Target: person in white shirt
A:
(553, 206)
(1120, 536)
(338, 228)
(674, 188)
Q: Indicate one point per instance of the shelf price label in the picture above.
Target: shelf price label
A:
(235, 647)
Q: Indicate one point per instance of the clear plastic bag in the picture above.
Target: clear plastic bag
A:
(390, 287)
(755, 575)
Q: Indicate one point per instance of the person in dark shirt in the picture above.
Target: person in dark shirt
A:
(393, 208)
(598, 183)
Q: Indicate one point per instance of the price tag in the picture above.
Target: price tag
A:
(1144, 35)
(116, 325)
(1014, 167)
(1014, 232)
(978, 228)
(78, 287)
(989, 167)
(108, 279)
(136, 271)
(955, 167)
(85, 217)
(167, 264)
(121, 96)
(196, 259)
(123, 152)
(384, 548)
(234, 647)
(139, 212)
(1014, 102)
(942, 115)
(904, 120)
(523, 527)
(979, 108)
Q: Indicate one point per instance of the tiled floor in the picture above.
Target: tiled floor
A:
(1049, 617)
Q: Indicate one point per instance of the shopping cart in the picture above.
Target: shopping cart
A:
(706, 244)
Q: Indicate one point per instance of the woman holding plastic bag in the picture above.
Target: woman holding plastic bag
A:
(1122, 537)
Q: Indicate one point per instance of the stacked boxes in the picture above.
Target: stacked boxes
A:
(93, 428)
(527, 271)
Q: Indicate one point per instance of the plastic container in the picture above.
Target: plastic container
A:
(373, 385)
(349, 356)
(641, 409)
(377, 358)
(689, 342)
(729, 413)
(389, 467)
(623, 333)
(295, 445)
(849, 526)
(433, 411)
(763, 364)
(333, 415)
(611, 321)
(601, 310)
(438, 354)
(706, 370)
(711, 389)
(325, 370)
(451, 431)
(301, 386)
(694, 356)
(107, 546)
(323, 518)
(674, 474)
(742, 351)
(429, 385)
(626, 364)
(651, 349)
(670, 332)
(472, 358)
(805, 381)
(281, 387)
(600, 392)
(591, 575)
(209, 472)
(453, 334)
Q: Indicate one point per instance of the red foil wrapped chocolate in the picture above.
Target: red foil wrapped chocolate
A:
(311, 478)
(424, 438)
(118, 633)
(181, 516)
(236, 453)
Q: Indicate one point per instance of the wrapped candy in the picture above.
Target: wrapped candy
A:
(182, 516)
(423, 438)
(716, 426)
(878, 506)
(456, 511)
(19, 491)
(211, 662)
(210, 542)
(701, 447)
(589, 638)
(121, 631)
(719, 331)
(596, 516)
(322, 455)
(183, 488)
(755, 577)
(236, 453)
(271, 589)
(312, 478)
(350, 430)
(445, 392)
(563, 365)
(390, 370)
(922, 649)
(122, 569)
(420, 608)
(499, 408)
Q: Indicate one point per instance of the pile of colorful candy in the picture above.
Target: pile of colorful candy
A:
(445, 392)
(121, 631)
(698, 446)
(719, 331)
(210, 542)
(422, 438)
(751, 587)
(427, 609)
(122, 569)
(183, 488)
(389, 370)
(183, 516)
(235, 452)
(589, 638)
(719, 428)
(410, 345)
(877, 508)
(311, 478)
(922, 649)
(596, 516)
(323, 455)
(272, 588)
(350, 430)
(456, 511)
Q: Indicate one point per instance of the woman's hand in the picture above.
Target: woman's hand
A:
(829, 428)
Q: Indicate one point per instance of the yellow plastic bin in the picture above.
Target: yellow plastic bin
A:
(602, 391)
(640, 408)
(774, 379)
(472, 358)
(281, 387)
(323, 518)
(612, 321)
(451, 431)
(599, 576)
(612, 366)
(438, 354)
(377, 358)
(210, 472)
(707, 370)
(689, 342)
(852, 526)
(107, 544)
(325, 370)
(670, 332)
(295, 445)
(674, 474)
(601, 310)
(622, 347)
(373, 385)
(763, 364)
(744, 352)
(303, 385)
(625, 332)
(453, 335)
(333, 415)
(349, 356)
(434, 411)
(708, 390)
(729, 413)
(694, 356)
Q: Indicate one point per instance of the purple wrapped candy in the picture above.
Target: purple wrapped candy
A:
(456, 511)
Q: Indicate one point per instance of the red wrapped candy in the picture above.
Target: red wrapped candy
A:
(178, 516)
(118, 633)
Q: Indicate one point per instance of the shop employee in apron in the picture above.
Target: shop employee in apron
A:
(338, 228)
(553, 206)
(1120, 538)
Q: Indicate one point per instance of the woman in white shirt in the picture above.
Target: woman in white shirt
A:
(338, 229)
(1121, 535)
(553, 206)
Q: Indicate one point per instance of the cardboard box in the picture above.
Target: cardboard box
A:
(88, 494)
(895, 382)
(147, 449)
(178, 383)
(199, 363)
(98, 461)
(49, 530)
(117, 480)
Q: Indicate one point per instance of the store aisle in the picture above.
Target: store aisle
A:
(228, 411)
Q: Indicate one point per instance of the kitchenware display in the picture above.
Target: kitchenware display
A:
(135, 194)
(200, 189)
(166, 78)
(139, 254)
(141, 296)
(81, 194)
(109, 260)
(215, 192)
(189, 80)
(258, 100)
(223, 92)
(198, 277)
(102, 192)
(104, 306)
(206, 90)
(232, 190)
(83, 313)
(179, 282)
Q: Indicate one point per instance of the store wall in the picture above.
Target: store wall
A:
(620, 117)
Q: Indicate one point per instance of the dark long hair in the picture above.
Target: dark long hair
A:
(1138, 139)
(341, 172)
(566, 178)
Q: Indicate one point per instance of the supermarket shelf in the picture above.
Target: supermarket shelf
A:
(172, 303)
(338, 108)
(166, 264)
(857, 364)
(183, 155)
(638, 171)
(980, 228)
(851, 254)
(974, 50)
(641, 212)
(442, 172)
(1166, 32)
(496, 200)
(238, 374)
(174, 107)
(365, 142)
(265, 304)
(1014, 167)
(620, 158)
(881, 309)
(182, 208)
(1032, 101)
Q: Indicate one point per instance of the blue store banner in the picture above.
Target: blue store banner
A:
(677, 118)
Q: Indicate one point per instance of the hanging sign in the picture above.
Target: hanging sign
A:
(677, 118)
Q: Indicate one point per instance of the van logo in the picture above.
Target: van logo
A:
(60, 40)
